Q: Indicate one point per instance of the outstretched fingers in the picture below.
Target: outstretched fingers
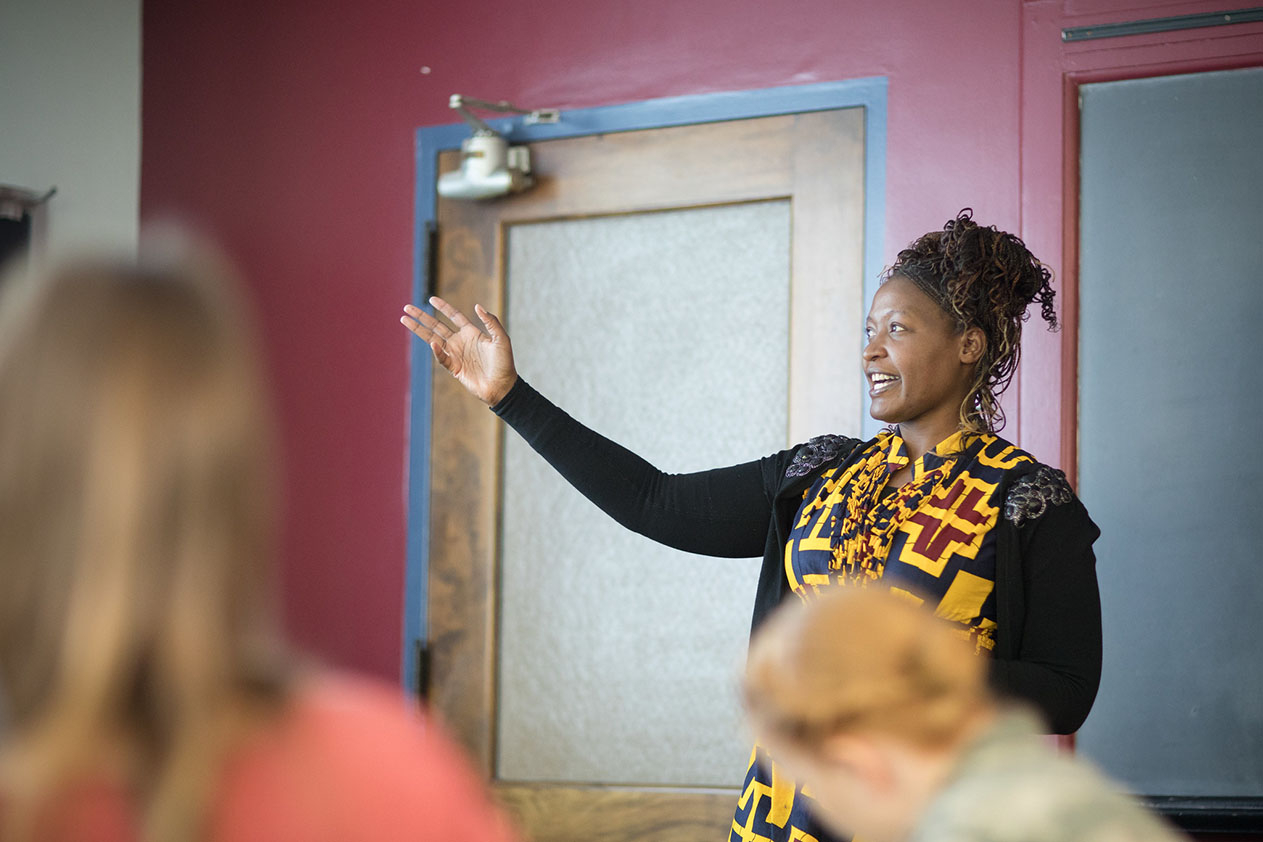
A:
(492, 323)
(456, 316)
(420, 330)
(440, 353)
(423, 324)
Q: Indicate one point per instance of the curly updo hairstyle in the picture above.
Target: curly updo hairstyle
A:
(986, 278)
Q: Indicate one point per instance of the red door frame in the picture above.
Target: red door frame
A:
(1052, 71)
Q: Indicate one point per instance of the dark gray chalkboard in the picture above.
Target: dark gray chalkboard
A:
(1171, 426)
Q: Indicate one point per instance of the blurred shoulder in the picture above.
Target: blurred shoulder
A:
(356, 754)
(341, 700)
(359, 720)
(1017, 788)
(1063, 802)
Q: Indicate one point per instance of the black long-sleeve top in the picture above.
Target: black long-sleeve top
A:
(1048, 636)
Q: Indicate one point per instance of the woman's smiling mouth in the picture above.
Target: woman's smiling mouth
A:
(880, 382)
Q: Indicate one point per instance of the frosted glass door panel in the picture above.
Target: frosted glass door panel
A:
(667, 332)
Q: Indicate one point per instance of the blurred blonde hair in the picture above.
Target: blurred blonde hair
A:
(136, 534)
(859, 660)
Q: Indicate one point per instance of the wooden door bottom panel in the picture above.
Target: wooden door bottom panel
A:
(568, 813)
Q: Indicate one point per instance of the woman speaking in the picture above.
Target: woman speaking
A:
(936, 508)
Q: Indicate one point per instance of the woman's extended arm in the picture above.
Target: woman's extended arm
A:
(723, 512)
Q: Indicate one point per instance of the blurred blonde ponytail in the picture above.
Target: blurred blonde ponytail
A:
(136, 535)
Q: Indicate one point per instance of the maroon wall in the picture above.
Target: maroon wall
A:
(286, 128)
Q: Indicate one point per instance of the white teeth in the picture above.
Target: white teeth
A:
(881, 382)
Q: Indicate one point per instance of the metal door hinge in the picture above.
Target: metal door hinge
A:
(431, 258)
(421, 669)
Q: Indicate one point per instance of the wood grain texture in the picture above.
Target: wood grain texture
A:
(827, 274)
(630, 172)
(547, 813)
(464, 480)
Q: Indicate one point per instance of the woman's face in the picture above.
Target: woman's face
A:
(919, 366)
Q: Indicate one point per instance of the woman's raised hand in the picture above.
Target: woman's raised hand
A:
(482, 362)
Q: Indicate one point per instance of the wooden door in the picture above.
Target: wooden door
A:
(813, 164)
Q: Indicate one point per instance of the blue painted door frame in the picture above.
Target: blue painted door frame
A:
(868, 93)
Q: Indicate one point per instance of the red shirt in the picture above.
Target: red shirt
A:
(349, 760)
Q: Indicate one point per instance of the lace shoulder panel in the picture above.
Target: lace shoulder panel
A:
(1030, 496)
(817, 451)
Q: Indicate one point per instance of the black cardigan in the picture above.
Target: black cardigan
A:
(1048, 636)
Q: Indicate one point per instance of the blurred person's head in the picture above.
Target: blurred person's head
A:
(867, 699)
(136, 521)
